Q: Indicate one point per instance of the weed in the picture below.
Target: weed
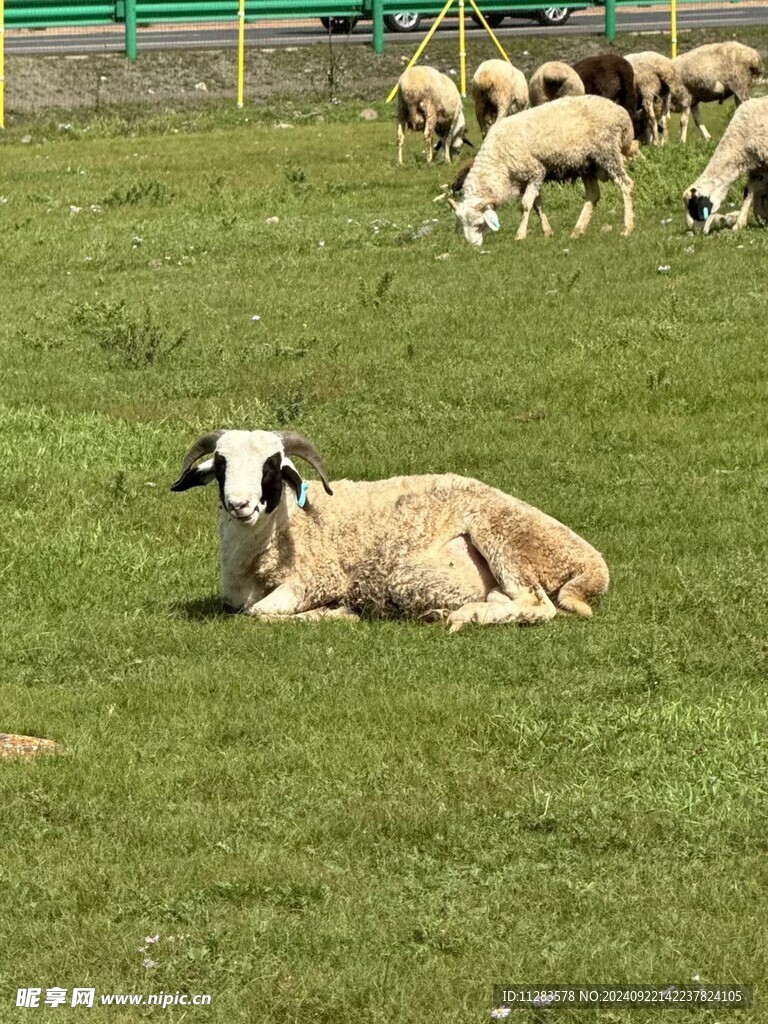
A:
(137, 340)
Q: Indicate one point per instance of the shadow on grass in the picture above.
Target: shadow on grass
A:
(201, 609)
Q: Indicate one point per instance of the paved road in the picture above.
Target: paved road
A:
(82, 41)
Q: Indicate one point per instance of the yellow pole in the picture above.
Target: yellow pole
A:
(462, 50)
(490, 31)
(423, 46)
(674, 28)
(2, 63)
(240, 54)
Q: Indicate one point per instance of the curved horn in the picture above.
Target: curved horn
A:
(203, 446)
(300, 446)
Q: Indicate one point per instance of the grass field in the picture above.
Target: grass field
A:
(373, 822)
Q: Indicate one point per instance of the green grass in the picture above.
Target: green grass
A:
(373, 822)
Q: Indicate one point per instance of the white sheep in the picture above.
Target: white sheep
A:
(585, 137)
(712, 72)
(656, 81)
(552, 81)
(429, 101)
(743, 150)
(416, 546)
(498, 89)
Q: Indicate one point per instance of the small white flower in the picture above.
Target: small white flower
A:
(141, 949)
(666, 220)
(152, 938)
(149, 964)
(664, 268)
(690, 250)
(500, 1012)
(321, 245)
(257, 317)
(149, 483)
(75, 209)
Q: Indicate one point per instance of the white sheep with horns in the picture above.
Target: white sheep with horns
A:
(427, 547)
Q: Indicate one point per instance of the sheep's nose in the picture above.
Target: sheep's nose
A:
(236, 506)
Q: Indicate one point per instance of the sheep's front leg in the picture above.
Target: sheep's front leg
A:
(527, 607)
(400, 141)
(285, 600)
(699, 123)
(592, 198)
(530, 196)
(316, 614)
(746, 206)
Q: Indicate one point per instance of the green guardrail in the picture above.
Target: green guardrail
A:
(38, 14)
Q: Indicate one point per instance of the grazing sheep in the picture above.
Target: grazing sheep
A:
(498, 89)
(655, 81)
(742, 150)
(552, 81)
(429, 101)
(611, 76)
(711, 72)
(585, 137)
(415, 546)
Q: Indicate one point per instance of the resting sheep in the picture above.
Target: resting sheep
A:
(585, 137)
(742, 150)
(655, 82)
(429, 101)
(552, 81)
(711, 72)
(415, 546)
(498, 89)
(611, 76)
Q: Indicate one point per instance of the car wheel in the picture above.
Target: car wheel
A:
(338, 26)
(404, 21)
(494, 18)
(553, 15)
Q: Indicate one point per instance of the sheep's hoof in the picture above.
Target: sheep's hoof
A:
(12, 745)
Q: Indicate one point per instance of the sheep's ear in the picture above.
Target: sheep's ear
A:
(292, 477)
(491, 219)
(195, 476)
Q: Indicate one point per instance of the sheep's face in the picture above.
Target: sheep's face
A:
(475, 220)
(250, 468)
(698, 209)
(247, 466)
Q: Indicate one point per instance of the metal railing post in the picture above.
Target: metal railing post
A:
(131, 41)
(378, 26)
(2, 63)
(241, 55)
(610, 20)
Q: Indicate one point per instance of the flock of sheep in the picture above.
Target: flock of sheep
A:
(445, 546)
(587, 121)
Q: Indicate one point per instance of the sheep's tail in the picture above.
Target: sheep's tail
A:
(630, 147)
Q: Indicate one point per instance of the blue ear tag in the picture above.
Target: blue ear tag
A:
(705, 212)
(301, 499)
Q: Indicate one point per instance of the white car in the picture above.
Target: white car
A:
(411, 21)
